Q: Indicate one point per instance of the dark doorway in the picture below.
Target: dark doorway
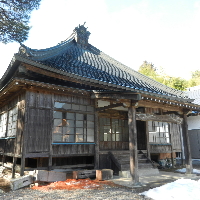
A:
(141, 135)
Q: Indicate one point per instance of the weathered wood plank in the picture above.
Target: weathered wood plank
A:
(186, 142)
(133, 144)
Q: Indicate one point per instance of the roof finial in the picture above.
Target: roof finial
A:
(82, 35)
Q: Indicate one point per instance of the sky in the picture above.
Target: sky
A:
(165, 33)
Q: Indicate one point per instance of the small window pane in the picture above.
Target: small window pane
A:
(69, 138)
(90, 138)
(79, 123)
(65, 122)
(79, 116)
(75, 107)
(71, 131)
(70, 116)
(90, 108)
(118, 137)
(113, 137)
(67, 106)
(57, 122)
(57, 137)
(58, 105)
(70, 123)
(57, 114)
(90, 124)
(79, 131)
(90, 117)
(82, 108)
(109, 137)
(57, 129)
(79, 138)
(105, 137)
(65, 130)
(90, 132)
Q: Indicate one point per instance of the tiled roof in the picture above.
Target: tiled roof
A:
(194, 93)
(87, 61)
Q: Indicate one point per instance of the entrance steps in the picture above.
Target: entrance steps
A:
(122, 161)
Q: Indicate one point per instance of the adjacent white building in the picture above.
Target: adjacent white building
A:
(194, 123)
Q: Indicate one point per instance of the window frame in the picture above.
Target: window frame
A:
(70, 108)
(163, 137)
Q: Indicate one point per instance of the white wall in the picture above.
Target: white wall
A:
(193, 122)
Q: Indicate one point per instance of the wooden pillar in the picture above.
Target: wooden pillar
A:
(133, 144)
(13, 167)
(96, 138)
(172, 129)
(147, 143)
(186, 143)
(24, 139)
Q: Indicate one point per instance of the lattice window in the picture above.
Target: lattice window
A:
(159, 132)
(12, 122)
(113, 129)
(3, 124)
(70, 125)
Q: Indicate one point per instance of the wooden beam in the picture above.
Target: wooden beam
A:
(109, 107)
(164, 106)
(112, 95)
(163, 118)
(133, 144)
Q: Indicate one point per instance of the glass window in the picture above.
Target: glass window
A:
(158, 132)
(3, 121)
(72, 126)
(12, 122)
(114, 130)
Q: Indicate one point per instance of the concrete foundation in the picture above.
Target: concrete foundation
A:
(49, 176)
(84, 174)
(21, 182)
(142, 172)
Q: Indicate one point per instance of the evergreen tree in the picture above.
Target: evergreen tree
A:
(14, 18)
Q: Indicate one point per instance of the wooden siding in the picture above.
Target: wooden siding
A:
(114, 145)
(12, 146)
(160, 148)
(73, 149)
(175, 131)
(40, 106)
(39, 122)
(194, 136)
(20, 125)
(38, 131)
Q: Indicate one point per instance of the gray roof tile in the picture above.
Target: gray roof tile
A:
(90, 62)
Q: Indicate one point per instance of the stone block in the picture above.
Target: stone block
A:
(104, 174)
(21, 182)
(84, 174)
(125, 174)
(49, 176)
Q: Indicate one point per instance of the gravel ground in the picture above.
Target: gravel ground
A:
(108, 192)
